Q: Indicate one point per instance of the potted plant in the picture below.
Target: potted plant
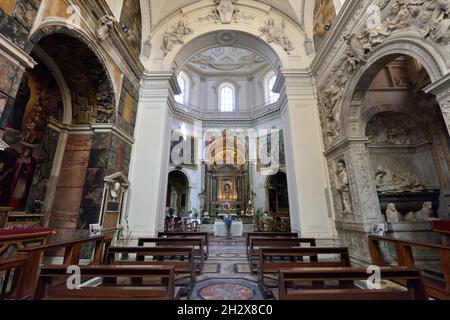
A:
(259, 216)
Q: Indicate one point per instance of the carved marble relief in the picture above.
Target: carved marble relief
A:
(431, 18)
(104, 26)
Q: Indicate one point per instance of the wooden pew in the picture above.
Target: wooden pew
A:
(13, 239)
(162, 288)
(71, 244)
(289, 280)
(10, 268)
(438, 289)
(195, 243)
(259, 243)
(273, 259)
(267, 235)
(181, 258)
(176, 234)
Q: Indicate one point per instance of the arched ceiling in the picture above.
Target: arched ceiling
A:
(227, 59)
(161, 9)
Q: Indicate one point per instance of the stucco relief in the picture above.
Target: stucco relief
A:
(226, 12)
(176, 36)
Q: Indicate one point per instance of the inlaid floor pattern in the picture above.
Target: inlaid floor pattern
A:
(226, 275)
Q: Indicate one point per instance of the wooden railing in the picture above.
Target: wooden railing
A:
(405, 257)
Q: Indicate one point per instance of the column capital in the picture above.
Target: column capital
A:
(161, 79)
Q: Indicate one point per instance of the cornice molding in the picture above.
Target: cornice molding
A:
(16, 55)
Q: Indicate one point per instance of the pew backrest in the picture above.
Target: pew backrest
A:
(164, 275)
(292, 277)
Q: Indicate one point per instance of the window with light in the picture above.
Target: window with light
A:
(227, 98)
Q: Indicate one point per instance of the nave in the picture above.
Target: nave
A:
(198, 266)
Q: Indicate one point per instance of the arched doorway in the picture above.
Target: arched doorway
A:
(53, 170)
(407, 140)
(277, 193)
(178, 194)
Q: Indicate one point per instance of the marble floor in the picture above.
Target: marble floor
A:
(227, 274)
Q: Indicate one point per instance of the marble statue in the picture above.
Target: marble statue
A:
(389, 181)
(104, 26)
(392, 215)
(344, 187)
(426, 213)
(399, 17)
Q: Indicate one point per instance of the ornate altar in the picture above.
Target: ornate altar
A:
(227, 175)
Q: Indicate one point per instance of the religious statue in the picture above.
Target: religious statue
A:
(388, 181)
(392, 215)
(426, 213)
(171, 39)
(277, 35)
(399, 17)
(250, 211)
(344, 188)
(22, 176)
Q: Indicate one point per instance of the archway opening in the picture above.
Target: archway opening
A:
(227, 128)
(50, 170)
(178, 194)
(406, 130)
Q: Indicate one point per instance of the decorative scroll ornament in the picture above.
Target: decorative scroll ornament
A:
(226, 12)
(275, 34)
(104, 26)
(175, 37)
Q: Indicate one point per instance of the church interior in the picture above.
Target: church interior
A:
(224, 150)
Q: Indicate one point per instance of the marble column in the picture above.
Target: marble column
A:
(150, 157)
(305, 163)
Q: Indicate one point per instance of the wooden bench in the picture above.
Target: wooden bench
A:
(52, 283)
(259, 243)
(71, 243)
(181, 258)
(273, 259)
(289, 288)
(10, 268)
(13, 239)
(267, 235)
(195, 243)
(184, 235)
(436, 288)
